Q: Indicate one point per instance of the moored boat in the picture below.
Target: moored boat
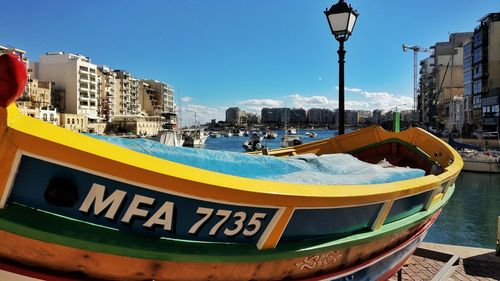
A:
(291, 138)
(477, 159)
(71, 203)
(481, 161)
(253, 143)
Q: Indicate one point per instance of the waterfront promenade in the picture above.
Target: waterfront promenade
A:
(429, 260)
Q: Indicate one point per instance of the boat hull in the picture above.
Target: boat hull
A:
(367, 261)
(472, 165)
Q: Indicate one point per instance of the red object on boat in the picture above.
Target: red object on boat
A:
(13, 78)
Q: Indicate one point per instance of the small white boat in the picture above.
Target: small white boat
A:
(481, 161)
(171, 138)
(253, 143)
(194, 137)
(291, 138)
(214, 134)
(270, 135)
(237, 133)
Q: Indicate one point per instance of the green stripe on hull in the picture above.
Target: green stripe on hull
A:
(49, 228)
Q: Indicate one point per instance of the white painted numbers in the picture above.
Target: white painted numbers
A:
(229, 223)
(252, 227)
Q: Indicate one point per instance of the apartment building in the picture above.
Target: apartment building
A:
(486, 73)
(128, 98)
(427, 89)
(157, 97)
(468, 108)
(233, 115)
(441, 79)
(318, 116)
(76, 76)
(298, 116)
(108, 88)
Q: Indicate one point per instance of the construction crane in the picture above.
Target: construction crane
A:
(415, 50)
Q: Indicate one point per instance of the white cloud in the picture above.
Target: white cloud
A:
(299, 101)
(186, 99)
(361, 100)
(256, 105)
(353, 90)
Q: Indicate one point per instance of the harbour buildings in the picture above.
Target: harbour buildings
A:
(460, 80)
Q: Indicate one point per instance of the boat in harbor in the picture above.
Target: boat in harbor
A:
(312, 134)
(477, 159)
(194, 137)
(481, 161)
(291, 138)
(237, 133)
(74, 204)
(253, 143)
(170, 137)
(270, 135)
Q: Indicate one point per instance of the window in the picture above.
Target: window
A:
(478, 55)
(45, 117)
(478, 71)
(467, 76)
(467, 62)
(477, 102)
(51, 117)
(477, 87)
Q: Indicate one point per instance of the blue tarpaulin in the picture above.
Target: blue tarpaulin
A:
(311, 169)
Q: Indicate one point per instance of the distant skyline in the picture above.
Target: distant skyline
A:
(220, 54)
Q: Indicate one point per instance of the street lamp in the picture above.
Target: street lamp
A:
(341, 18)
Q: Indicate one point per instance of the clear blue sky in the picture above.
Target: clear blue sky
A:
(249, 54)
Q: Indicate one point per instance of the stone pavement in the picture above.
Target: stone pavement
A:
(475, 264)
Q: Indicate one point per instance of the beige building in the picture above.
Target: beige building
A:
(135, 125)
(38, 94)
(74, 122)
(441, 79)
(158, 100)
(127, 99)
(108, 89)
(74, 74)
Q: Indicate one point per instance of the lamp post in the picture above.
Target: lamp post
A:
(341, 18)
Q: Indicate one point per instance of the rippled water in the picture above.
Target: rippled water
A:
(469, 219)
(235, 143)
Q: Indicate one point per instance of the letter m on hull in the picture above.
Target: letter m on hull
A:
(95, 197)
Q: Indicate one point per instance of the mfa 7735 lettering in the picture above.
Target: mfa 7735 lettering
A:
(163, 217)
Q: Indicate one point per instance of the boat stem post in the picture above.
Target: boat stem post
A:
(498, 237)
(396, 124)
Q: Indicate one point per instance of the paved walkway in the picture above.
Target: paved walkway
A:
(475, 264)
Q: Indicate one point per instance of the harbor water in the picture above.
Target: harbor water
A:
(469, 219)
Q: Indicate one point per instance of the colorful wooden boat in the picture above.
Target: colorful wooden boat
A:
(73, 204)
